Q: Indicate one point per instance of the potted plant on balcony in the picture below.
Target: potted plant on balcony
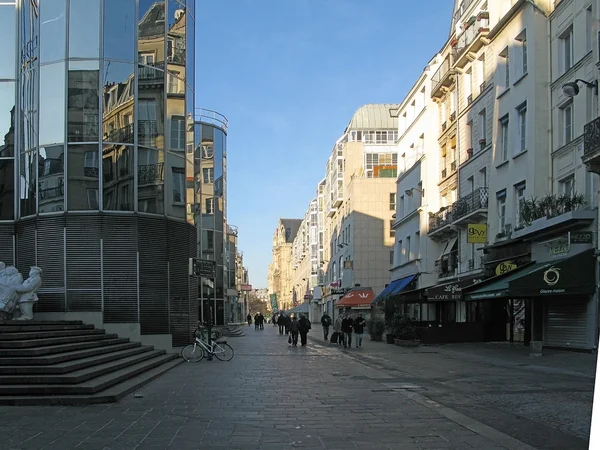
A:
(376, 327)
(483, 15)
(453, 42)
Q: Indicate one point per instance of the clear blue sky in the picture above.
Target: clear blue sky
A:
(289, 74)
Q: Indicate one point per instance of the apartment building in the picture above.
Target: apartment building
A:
(280, 269)
(360, 178)
(413, 257)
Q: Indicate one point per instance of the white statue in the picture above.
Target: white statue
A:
(28, 293)
(10, 279)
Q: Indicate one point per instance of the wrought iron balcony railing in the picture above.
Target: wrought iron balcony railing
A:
(476, 200)
(91, 172)
(441, 218)
(591, 137)
(150, 173)
(479, 26)
(147, 132)
(123, 135)
(49, 193)
(82, 131)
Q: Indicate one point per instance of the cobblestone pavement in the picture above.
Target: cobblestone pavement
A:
(274, 396)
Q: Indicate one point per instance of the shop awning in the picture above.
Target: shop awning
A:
(300, 309)
(395, 287)
(450, 291)
(357, 298)
(574, 275)
(448, 247)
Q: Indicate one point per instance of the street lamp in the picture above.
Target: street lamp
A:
(409, 192)
(571, 89)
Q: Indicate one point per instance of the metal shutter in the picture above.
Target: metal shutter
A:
(154, 293)
(50, 257)
(84, 278)
(7, 239)
(180, 314)
(565, 323)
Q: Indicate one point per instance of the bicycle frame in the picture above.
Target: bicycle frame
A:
(210, 350)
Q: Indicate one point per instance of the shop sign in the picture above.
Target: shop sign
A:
(559, 248)
(477, 233)
(505, 267)
(582, 237)
(337, 291)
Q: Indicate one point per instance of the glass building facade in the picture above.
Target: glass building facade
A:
(97, 140)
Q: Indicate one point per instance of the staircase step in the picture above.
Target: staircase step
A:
(32, 328)
(102, 340)
(26, 335)
(75, 363)
(57, 358)
(20, 323)
(90, 335)
(83, 374)
(91, 386)
(109, 395)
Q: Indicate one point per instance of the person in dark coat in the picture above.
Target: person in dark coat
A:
(304, 327)
(281, 322)
(294, 329)
(288, 323)
(249, 319)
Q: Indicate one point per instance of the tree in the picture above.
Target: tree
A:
(256, 305)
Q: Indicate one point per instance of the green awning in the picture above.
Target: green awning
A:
(575, 275)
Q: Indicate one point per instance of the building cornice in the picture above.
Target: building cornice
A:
(510, 15)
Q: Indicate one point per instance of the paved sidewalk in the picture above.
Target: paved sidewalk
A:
(270, 396)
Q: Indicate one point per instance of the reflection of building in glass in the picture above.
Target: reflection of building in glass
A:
(95, 118)
(210, 174)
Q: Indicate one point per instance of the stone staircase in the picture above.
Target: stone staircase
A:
(71, 363)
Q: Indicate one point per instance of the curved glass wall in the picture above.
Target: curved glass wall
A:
(105, 102)
(210, 209)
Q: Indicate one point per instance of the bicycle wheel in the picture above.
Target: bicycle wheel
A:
(192, 353)
(223, 352)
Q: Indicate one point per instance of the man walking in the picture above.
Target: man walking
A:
(294, 329)
(325, 322)
(359, 328)
(303, 328)
(347, 323)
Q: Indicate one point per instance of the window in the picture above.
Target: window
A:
(92, 197)
(521, 45)
(417, 252)
(522, 128)
(400, 214)
(392, 231)
(146, 58)
(209, 205)
(504, 73)
(208, 175)
(483, 177)
(503, 138)
(402, 252)
(468, 86)
(501, 203)
(173, 83)
(566, 49)
(589, 29)
(391, 257)
(178, 185)
(470, 137)
(567, 123)
(178, 132)
(481, 71)
(483, 127)
(567, 185)
(210, 239)
(519, 200)
(409, 250)
(91, 160)
(470, 184)
(392, 201)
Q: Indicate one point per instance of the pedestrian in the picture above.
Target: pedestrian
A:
(261, 322)
(256, 319)
(249, 319)
(294, 329)
(304, 328)
(287, 323)
(359, 328)
(325, 322)
(337, 330)
(347, 323)
(281, 322)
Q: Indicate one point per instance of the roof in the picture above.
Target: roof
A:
(357, 298)
(293, 225)
(374, 117)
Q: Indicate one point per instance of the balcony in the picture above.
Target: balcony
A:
(82, 131)
(150, 173)
(120, 135)
(440, 224)
(472, 207)
(472, 39)
(50, 193)
(591, 146)
(91, 172)
(444, 77)
(147, 133)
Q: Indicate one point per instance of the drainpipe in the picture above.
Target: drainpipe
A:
(459, 243)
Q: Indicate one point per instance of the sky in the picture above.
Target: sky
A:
(289, 75)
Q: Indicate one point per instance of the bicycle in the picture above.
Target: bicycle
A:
(199, 349)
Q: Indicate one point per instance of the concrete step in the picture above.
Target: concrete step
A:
(77, 363)
(36, 328)
(26, 323)
(57, 358)
(88, 335)
(83, 374)
(26, 335)
(90, 386)
(109, 395)
(102, 340)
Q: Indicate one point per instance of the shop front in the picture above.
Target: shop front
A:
(558, 295)
(358, 300)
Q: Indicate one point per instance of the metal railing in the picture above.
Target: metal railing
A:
(82, 131)
(440, 76)
(472, 33)
(150, 173)
(212, 117)
(478, 199)
(123, 134)
(591, 137)
(441, 218)
(46, 194)
(91, 172)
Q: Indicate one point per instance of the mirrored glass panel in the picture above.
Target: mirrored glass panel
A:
(117, 177)
(27, 183)
(8, 36)
(83, 177)
(52, 104)
(84, 29)
(53, 30)
(151, 107)
(7, 119)
(218, 159)
(29, 30)
(29, 109)
(119, 30)
(175, 200)
(117, 99)
(83, 103)
(51, 178)
(7, 189)
(176, 38)
(151, 176)
(151, 33)
(190, 48)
